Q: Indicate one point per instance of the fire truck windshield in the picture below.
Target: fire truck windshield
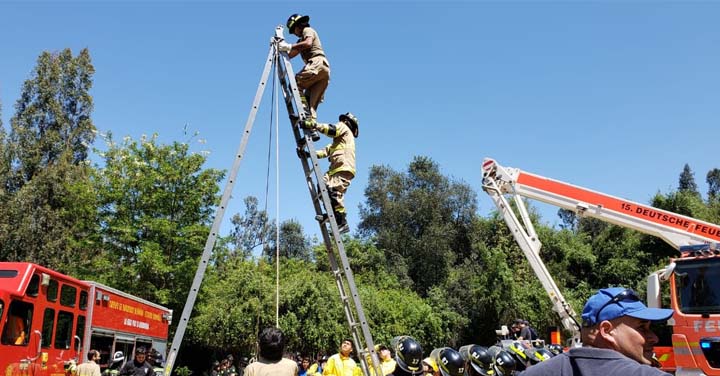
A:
(698, 286)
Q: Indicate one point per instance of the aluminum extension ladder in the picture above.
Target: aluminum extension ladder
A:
(344, 279)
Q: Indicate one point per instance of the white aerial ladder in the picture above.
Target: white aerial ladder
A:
(679, 231)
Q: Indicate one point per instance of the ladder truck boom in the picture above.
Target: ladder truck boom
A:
(677, 230)
(694, 275)
(524, 233)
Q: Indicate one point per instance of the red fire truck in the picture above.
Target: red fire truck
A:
(50, 319)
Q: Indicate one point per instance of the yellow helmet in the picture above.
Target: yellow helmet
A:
(430, 362)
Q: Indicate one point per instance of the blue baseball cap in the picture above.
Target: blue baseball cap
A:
(614, 302)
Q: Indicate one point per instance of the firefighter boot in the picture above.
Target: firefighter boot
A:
(341, 223)
(306, 109)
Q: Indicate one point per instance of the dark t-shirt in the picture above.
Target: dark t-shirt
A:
(528, 333)
(133, 368)
(590, 361)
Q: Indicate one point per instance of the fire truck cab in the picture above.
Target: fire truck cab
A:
(49, 320)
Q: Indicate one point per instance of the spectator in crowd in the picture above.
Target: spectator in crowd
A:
(341, 364)
(270, 360)
(304, 366)
(616, 337)
(243, 363)
(138, 366)
(90, 368)
(524, 330)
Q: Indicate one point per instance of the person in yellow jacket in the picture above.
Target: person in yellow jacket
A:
(387, 363)
(341, 364)
(341, 153)
(317, 367)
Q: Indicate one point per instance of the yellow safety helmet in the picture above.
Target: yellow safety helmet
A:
(430, 362)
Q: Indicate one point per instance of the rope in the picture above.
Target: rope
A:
(274, 115)
(277, 215)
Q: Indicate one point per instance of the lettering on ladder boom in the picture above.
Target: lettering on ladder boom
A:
(671, 219)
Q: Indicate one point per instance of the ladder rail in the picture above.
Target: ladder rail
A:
(219, 214)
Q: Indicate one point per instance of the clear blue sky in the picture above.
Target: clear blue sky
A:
(613, 96)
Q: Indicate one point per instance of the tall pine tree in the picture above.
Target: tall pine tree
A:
(48, 210)
(686, 183)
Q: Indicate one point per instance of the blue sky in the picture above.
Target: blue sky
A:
(613, 96)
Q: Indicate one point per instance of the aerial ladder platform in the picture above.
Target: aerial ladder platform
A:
(695, 343)
(279, 62)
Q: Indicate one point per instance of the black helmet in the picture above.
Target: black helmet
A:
(517, 350)
(504, 362)
(408, 354)
(295, 19)
(555, 349)
(140, 350)
(544, 353)
(352, 122)
(479, 358)
(533, 356)
(449, 361)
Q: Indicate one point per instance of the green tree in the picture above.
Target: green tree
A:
(251, 230)
(155, 205)
(47, 209)
(293, 242)
(713, 201)
(52, 120)
(569, 219)
(686, 182)
(713, 181)
(310, 311)
(4, 163)
(416, 216)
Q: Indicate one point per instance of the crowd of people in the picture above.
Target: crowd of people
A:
(616, 339)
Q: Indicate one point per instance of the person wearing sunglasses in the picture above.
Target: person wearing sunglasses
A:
(616, 337)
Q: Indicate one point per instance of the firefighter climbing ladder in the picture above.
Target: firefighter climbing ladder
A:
(323, 213)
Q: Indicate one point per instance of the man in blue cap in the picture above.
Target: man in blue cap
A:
(616, 337)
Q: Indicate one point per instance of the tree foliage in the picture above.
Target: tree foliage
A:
(293, 242)
(686, 182)
(251, 230)
(417, 216)
(52, 120)
(713, 181)
(47, 205)
(155, 206)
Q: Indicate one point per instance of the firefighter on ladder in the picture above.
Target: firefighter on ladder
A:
(314, 78)
(341, 153)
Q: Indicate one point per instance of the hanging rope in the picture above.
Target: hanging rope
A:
(277, 213)
(274, 111)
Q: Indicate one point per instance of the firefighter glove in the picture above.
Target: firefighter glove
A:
(284, 46)
(309, 123)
